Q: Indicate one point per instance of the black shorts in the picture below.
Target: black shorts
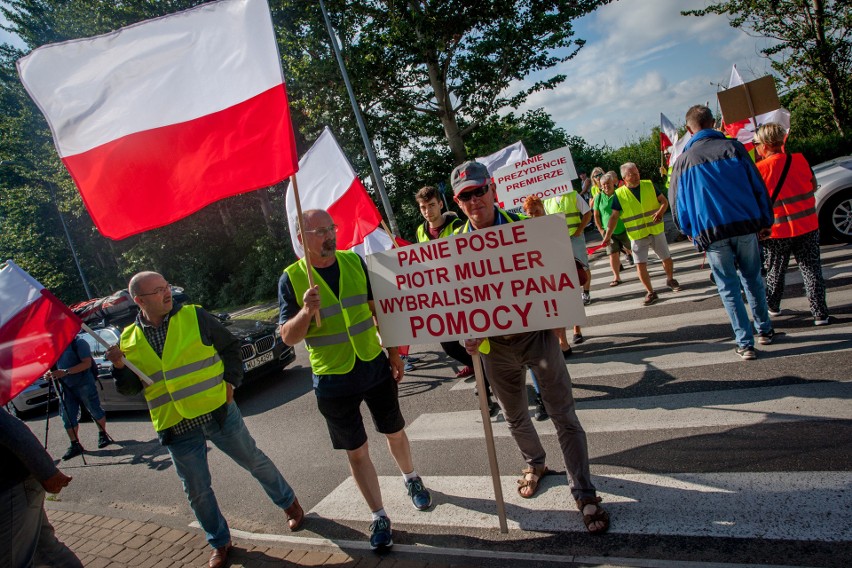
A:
(343, 414)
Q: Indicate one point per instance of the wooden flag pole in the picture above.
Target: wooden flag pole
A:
(308, 265)
(750, 105)
(489, 442)
(391, 235)
(142, 376)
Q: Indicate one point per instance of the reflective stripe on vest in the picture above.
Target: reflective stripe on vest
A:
(188, 379)
(466, 228)
(637, 216)
(794, 209)
(567, 204)
(348, 329)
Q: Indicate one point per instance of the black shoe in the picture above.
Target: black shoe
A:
(766, 338)
(103, 440)
(493, 408)
(74, 450)
(567, 353)
(540, 412)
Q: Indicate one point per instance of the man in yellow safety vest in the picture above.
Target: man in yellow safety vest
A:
(195, 364)
(641, 207)
(348, 363)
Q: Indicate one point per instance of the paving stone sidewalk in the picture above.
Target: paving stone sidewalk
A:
(110, 542)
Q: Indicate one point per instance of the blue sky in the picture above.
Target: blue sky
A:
(641, 58)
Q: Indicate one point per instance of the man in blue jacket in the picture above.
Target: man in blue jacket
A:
(721, 203)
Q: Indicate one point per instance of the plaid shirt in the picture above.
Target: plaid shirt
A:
(156, 337)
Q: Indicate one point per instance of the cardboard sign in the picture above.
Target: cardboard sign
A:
(748, 100)
(546, 175)
(505, 279)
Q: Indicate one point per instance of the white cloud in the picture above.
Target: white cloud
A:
(642, 58)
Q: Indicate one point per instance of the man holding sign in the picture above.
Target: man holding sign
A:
(506, 362)
(348, 363)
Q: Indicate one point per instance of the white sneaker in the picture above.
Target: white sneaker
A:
(774, 313)
(821, 321)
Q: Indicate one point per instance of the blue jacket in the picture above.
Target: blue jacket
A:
(716, 190)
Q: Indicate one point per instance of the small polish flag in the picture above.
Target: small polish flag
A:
(35, 328)
(327, 181)
(159, 119)
(668, 133)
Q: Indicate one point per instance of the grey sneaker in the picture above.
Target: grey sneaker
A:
(748, 353)
(587, 298)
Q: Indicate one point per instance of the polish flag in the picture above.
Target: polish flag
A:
(159, 119)
(35, 328)
(327, 181)
(668, 133)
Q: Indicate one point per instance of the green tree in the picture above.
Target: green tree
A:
(812, 48)
(452, 62)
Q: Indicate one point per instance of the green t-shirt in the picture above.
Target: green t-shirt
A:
(603, 205)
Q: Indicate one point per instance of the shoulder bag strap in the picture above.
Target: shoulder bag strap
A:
(781, 179)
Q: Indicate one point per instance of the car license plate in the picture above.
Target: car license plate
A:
(258, 361)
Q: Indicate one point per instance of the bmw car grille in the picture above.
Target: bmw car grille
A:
(259, 347)
(264, 344)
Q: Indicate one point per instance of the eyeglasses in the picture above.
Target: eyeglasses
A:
(468, 195)
(157, 290)
(323, 231)
(596, 176)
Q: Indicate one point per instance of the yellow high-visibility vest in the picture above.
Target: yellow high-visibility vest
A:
(188, 379)
(347, 329)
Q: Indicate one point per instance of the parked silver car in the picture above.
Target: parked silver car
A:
(834, 198)
(261, 347)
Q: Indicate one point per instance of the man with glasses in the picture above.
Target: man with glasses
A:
(195, 364)
(509, 357)
(348, 363)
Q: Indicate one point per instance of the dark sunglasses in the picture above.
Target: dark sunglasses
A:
(468, 195)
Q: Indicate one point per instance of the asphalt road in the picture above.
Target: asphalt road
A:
(699, 456)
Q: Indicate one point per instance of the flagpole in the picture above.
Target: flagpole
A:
(368, 146)
(304, 240)
(142, 376)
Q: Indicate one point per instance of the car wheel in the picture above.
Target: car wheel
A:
(836, 217)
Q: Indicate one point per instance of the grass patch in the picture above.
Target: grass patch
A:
(263, 315)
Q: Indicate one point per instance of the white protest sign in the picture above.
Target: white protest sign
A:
(506, 279)
(546, 175)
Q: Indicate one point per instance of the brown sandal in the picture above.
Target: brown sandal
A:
(600, 515)
(531, 476)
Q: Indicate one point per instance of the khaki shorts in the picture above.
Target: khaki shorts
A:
(656, 242)
(618, 242)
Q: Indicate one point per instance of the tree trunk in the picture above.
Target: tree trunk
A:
(445, 109)
(266, 208)
(227, 221)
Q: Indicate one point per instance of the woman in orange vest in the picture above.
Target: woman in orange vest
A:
(791, 185)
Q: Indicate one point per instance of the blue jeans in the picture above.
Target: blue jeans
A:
(726, 258)
(189, 454)
(75, 394)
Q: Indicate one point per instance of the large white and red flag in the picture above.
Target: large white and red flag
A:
(159, 119)
(35, 328)
(668, 133)
(327, 181)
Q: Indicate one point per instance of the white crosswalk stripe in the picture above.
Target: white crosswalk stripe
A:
(621, 342)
